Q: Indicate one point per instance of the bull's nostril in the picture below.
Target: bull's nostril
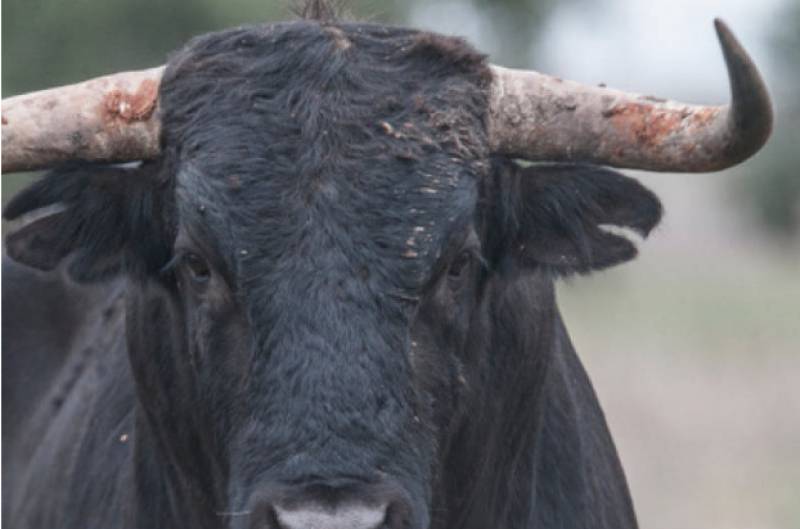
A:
(347, 516)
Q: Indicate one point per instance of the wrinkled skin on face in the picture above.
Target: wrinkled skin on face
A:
(335, 286)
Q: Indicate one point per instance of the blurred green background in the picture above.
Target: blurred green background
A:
(695, 347)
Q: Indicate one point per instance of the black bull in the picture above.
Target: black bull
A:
(325, 305)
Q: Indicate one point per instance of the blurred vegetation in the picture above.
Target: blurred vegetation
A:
(48, 42)
(772, 187)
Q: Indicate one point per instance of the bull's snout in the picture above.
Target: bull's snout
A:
(315, 516)
(322, 507)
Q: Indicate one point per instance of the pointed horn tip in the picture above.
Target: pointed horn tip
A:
(721, 27)
(751, 103)
(729, 43)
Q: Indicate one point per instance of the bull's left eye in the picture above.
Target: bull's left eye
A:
(196, 268)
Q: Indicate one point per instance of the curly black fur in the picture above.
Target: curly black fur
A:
(331, 281)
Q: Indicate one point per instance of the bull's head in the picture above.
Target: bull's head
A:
(340, 311)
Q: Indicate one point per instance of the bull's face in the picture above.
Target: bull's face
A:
(326, 336)
(337, 284)
(325, 261)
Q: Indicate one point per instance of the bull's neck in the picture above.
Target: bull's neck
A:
(491, 464)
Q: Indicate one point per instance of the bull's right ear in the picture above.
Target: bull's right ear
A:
(107, 219)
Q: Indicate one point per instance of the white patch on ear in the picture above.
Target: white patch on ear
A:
(32, 216)
(620, 231)
(128, 165)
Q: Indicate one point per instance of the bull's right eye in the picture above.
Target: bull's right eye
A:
(196, 268)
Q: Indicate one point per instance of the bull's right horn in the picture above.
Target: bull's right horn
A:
(538, 117)
(112, 118)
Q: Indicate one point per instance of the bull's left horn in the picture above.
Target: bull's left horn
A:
(112, 118)
(538, 117)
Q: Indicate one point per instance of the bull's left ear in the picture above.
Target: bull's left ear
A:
(560, 217)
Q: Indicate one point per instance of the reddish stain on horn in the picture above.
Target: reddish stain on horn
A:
(130, 107)
(643, 124)
(704, 115)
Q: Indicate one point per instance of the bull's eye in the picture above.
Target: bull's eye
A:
(196, 268)
(460, 266)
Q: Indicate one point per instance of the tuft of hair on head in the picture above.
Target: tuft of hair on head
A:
(319, 10)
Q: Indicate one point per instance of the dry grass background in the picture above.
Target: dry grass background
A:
(694, 350)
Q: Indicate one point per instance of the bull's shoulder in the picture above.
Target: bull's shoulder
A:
(64, 370)
(46, 317)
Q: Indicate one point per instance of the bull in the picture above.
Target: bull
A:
(324, 299)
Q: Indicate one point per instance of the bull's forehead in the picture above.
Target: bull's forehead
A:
(352, 142)
(368, 218)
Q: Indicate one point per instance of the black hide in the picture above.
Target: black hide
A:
(326, 283)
